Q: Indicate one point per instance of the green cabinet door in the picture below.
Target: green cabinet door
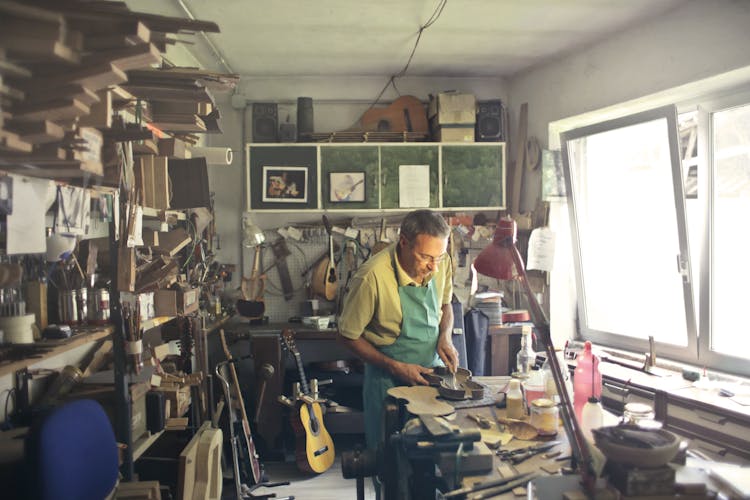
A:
(473, 175)
(398, 159)
(349, 177)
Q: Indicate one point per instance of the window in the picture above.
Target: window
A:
(632, 271)
(638, 186)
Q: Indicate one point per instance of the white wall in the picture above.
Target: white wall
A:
(699, 47)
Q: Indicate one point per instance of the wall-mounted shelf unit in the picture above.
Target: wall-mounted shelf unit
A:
(384, 177)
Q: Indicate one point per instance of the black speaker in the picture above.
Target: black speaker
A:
(489, 124)
(265, 122)
(304, 118)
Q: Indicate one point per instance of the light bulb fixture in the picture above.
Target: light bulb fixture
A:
(502, 260)
(252, 235)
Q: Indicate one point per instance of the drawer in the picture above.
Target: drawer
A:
(717, 452)
(713, 422)
(616, 394)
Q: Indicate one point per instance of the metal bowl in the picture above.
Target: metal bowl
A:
(626, 444)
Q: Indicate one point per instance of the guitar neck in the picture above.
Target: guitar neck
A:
(301, 370)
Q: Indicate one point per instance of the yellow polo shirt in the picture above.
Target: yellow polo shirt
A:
(372, 306)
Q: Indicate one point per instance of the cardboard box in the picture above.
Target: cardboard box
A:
(453, 108)
(178, 398)
(176, 302)
(456, 133)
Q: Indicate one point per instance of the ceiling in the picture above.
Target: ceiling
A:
(278, 38)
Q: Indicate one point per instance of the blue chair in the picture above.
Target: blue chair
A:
(72, 454)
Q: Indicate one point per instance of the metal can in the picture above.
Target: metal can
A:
(99, 306)
(544, 416)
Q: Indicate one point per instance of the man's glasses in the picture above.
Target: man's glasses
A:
(429, 259)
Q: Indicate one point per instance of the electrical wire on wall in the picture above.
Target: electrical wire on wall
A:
(392, 80)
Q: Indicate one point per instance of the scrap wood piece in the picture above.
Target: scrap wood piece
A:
(73, 91)
(167, 93)
(173, 241)
(127, 58)
(94, 77)
(39, 132)
(60, 109)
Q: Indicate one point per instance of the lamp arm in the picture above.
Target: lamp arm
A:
(579, 446)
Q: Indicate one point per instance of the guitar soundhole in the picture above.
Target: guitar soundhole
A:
(384, 126)
(319, 452)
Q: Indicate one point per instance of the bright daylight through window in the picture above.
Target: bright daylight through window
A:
(632, 271)
(731, 238)
(633, 206)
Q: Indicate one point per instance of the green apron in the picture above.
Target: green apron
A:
(417, 343)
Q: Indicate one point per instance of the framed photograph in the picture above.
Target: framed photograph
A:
(285, 184)
(347, 187)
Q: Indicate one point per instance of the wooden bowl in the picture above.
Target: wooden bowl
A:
(628, 452)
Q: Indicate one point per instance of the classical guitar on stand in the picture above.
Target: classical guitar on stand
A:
(314, 447)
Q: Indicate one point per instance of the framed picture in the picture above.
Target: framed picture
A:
(347, 187)
(285, 184)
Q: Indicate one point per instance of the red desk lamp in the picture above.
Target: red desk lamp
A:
(499, 260)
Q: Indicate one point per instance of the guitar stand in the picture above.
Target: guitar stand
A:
(247, 492)
(242, 490)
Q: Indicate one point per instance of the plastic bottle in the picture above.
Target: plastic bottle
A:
(592, 417)
(587, 379)
(526, 356)
(550, 389)
(514, 406)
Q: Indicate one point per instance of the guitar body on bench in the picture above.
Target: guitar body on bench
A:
(314, 450)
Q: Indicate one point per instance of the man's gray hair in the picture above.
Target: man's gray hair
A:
(424, 222)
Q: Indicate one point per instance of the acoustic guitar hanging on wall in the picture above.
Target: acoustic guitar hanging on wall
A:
(405, 114)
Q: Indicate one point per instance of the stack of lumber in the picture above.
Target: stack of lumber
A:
(68, 66)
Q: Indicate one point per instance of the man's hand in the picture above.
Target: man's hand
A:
(409, 373)
(448, 353)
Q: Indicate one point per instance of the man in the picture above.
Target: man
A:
(397, 316)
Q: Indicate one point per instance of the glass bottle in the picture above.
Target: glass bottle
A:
(526, 357)
(544, 416)
(550, 389)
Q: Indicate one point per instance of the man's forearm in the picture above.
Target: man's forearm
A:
(446, 322)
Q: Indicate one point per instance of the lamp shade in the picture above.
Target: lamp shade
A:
(496, 260)
(252, 234)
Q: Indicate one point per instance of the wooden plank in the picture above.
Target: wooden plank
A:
(72, 91)
(40, 132)
(172, 148)
(173, 241)
(180, 107)
(13, 70)
(163, 93)
(10, 142)
(62, 109)
(128, 58)
(24, 11)
(55, 348)
(145, 147)
(94, 77)
(105, 41)
(37, 49)
(160, 180)
(100, 114)
(196, 125)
